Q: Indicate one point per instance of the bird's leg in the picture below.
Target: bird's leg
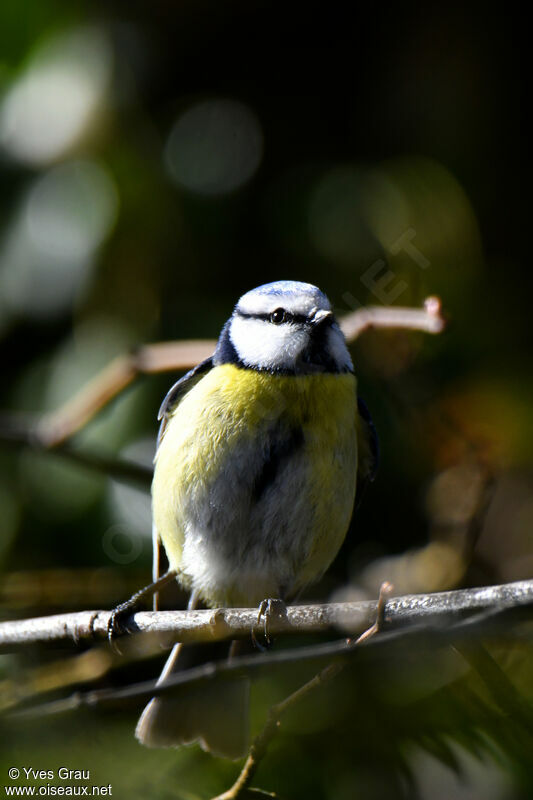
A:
(117, 616)
(269, 609)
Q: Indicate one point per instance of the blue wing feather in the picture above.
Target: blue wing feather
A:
(178, 391)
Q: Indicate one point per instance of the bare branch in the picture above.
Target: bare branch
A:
(233, 623)
(428, 319)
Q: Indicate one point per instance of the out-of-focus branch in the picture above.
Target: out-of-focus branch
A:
(428, 319)
(63, 587)
(507, 696)
(57, 427)
(14, 432)
(351, 618)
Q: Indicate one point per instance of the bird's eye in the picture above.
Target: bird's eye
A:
(278, 316)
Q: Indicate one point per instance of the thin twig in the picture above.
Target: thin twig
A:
(233, 623)
(379, 623)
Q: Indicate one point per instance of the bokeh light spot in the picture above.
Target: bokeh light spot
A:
(214, 147)
(71, 210)
(47, 250)
(58, 96)
(339, 210)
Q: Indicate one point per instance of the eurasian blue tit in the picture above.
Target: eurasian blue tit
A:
(260, 450)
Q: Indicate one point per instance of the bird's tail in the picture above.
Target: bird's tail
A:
(213, 713)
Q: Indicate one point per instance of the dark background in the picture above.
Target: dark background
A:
(363, 123)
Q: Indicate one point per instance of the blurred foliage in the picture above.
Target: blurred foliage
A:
(158, 160)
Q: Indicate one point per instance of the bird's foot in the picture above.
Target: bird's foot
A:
(118, 616)
(269, 609)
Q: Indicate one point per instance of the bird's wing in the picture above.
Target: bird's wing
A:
(178, 391)
(173, 397)
(368, 450)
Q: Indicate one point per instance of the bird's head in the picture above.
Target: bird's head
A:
(286, 327)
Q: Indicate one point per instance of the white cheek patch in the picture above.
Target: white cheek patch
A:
(262, 344)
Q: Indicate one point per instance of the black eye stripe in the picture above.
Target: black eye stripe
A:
(289, 317)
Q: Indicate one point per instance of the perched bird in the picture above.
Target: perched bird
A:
(259, 453)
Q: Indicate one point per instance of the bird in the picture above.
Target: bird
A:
(259, 454)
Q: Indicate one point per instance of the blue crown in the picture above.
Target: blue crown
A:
(294, 288)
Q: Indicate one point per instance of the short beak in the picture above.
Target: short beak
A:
(321, 317)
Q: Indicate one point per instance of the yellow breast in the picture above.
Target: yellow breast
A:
(237, 540)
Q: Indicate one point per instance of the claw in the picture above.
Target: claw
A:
(269, 609)
(115, 626)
